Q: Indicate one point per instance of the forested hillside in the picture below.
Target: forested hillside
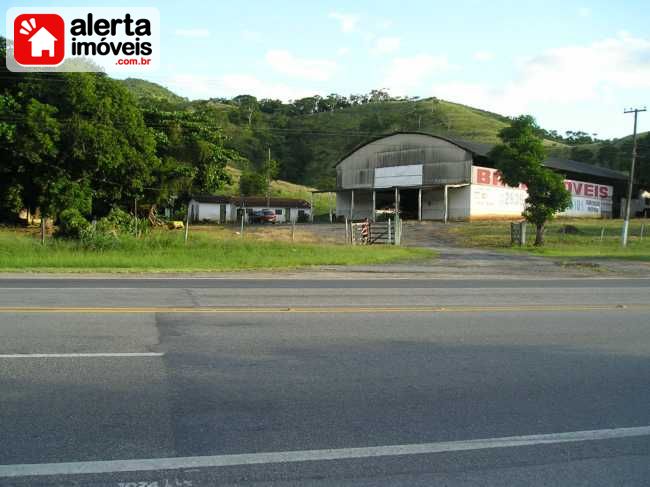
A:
(306, 137)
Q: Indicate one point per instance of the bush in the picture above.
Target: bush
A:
(72, 224)
(119, 222)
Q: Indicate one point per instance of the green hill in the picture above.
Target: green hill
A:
(309, 135)
(149, 93)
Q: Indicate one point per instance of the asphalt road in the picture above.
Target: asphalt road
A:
(381, 382)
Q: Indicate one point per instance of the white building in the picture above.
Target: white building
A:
(428, 177)
(229, 209)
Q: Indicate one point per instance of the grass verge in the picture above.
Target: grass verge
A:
(565, 237)
(166, 252)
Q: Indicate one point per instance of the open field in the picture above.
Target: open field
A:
(209, 249)
(565, 237)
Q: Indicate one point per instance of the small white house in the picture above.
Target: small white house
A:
(229, 209)
(42, 41)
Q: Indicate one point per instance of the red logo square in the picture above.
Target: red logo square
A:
(39, 39)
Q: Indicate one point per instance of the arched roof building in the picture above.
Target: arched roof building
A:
(426, 176)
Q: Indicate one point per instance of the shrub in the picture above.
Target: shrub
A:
(119, 222)
(72, 224)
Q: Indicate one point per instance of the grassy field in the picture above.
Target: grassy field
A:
(575, 238)
(165, 251)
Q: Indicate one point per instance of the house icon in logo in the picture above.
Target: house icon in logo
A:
(42, 41)
(39, 39)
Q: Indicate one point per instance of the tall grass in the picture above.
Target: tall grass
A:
(166, 251)
(564, 237)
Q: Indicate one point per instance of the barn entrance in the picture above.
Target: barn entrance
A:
(408, 204)
(407, 200)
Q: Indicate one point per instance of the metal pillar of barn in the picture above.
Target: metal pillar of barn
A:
(396, 201)
(446, 204)
(351, 204)
(329, 205)
(420, 204)
(374, 205)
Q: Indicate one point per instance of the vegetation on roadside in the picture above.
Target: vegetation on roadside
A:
(166, 252)
(519, 159)
(564, 237)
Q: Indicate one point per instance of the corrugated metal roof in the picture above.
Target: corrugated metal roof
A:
(252, 201)
(584, 168)
(482, 149)
(209, 198)
(260, 201)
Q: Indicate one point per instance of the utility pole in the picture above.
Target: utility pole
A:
(268, 180)
(630, 184)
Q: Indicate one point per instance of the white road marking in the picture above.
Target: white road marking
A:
(80, 355)
(154, 464)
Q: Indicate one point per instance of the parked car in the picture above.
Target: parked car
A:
(264, 216)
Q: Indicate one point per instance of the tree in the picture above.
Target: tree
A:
(72, 140)
(581, 154)
(519, 159)
(248, 106)
(252, 183)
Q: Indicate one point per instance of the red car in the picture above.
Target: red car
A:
(264, 216)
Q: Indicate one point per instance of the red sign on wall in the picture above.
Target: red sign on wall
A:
(490, 177)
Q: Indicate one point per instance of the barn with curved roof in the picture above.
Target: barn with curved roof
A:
(428, 177)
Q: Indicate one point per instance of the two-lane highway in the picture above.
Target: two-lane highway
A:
(324, 382)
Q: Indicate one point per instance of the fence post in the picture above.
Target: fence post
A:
(642, 230)
(42, 228)
(347, 237)
(187, 223)
(389, 236)
(293, 231)
(602, 234)
(241, 232)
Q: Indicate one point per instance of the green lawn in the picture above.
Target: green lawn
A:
(165, 251)
(585, 243)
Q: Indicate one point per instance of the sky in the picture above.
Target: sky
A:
(574, 65)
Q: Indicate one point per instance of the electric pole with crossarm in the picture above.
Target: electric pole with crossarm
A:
(630, 184)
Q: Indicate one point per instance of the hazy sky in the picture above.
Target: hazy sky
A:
(572, 64)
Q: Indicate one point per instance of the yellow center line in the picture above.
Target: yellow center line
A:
(325, 309)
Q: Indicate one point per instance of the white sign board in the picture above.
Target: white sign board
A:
(589, 199)
(398, 176)
(491, 197)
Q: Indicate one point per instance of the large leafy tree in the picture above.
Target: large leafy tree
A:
(519, 159)
(71, 140)
(193, 152)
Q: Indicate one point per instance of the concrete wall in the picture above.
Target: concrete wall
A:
(496, 202)
(282, 217)
(459, 203)
(433, 203)
(343, 203)
(362, 204)
(205, 211)
(212, 212)
(490, 198)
